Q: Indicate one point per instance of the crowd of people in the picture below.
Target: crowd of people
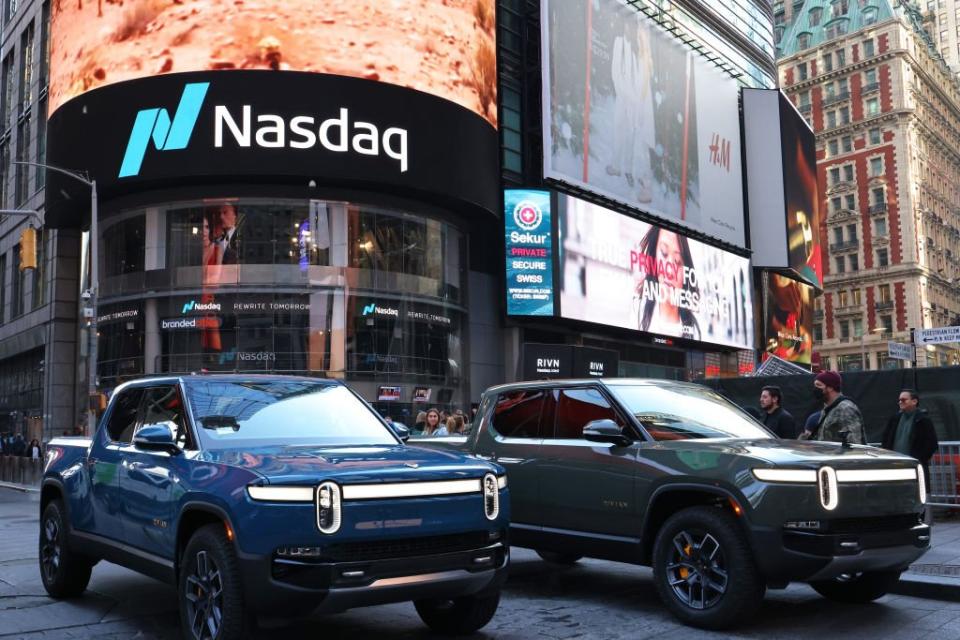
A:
(16, 445)
(434, 423)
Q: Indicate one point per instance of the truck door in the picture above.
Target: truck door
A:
(103, 466)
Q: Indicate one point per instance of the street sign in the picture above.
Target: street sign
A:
(938, 335)
(900, 351)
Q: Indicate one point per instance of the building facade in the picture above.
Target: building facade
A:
(886, 112)
(38, 307)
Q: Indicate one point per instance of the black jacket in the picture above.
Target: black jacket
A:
(782, 424)
(924, 442)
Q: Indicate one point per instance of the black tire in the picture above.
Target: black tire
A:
(459, 616)
(556, 557)
(65, 573)
(705, 546)
(210, 581)
(858, 588)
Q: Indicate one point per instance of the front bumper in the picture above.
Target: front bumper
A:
(292, 587)
(785, 555)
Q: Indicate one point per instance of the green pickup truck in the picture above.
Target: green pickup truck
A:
(673, 476)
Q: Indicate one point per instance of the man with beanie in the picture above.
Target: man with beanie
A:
(841, 419)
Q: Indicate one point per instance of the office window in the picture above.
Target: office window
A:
(838, 235)
(804, 98)
(875, 136)
(39, 288)
(840, 264)
(10, 8)
(876, 167)
(832, 147)
(3, 287)
(843, 300)
(873, 107)
(852, 232)
(880, 226)
(16, 290)
(844, 115)
(854, 262)
(831, 119)
(845, 329)
(40, 174)
(855, 297)
(838, 8)
(834, 175)
(6, 109)
(887, 323)
(803, 41)
(841, 58)
(22, 172)
(851, 201)
(843, 86)
(869, 76)
(26, 68)
(815, 15)
(802, 67)
(848, 172)
(827, 62)
(829, 93)
(510, 129)
(835, 204)
(879, 196)
(884, 291)
(868, 50)
(846, 143)
(869, 15)
(883, 258)
(818, 333)
(5, 167)
(44, 67)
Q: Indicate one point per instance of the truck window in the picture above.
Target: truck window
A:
(163, 404)
(517, 414)
(576, 408)
(123, 416)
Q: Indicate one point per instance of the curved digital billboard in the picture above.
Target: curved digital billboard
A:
(442, 47)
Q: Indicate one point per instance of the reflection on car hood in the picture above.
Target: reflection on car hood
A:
(793, 453)
(350, 465)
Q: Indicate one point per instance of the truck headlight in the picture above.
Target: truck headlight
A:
(800, 476)
(922, 482)
(491, 496)
(328, 507)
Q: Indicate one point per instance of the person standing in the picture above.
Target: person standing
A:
(841, 419)
(432, 424)
(34, 451)
(810, 426)
(229, 240)
(775, 417)
(911, 432)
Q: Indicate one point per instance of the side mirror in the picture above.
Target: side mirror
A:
(402, 432)
(605, 430)
(160, 436)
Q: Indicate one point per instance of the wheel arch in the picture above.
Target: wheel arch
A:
(53, 489)
(671, 498)
(193, 516)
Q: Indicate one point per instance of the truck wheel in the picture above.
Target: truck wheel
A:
(857, 587)
(459, 616)
(65, 574)
(559, 558)
(703, 569)
(211, 599)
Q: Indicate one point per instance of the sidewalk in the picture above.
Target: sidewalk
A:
(937, 573)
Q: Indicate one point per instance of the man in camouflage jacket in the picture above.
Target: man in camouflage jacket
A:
(841, 418)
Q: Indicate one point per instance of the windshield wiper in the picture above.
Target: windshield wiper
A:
(220, 422)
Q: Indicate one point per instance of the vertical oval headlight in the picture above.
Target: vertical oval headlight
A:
(922, 482)
(827, 486)
(328, 507)
(491, 497)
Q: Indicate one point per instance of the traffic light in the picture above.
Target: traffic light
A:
(28, 249)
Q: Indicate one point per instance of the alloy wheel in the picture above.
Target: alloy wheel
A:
(50, 551)
(697, 571)
(204, 596)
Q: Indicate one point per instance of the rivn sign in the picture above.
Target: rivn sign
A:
(938, 335)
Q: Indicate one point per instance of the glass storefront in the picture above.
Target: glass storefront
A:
(338, 289)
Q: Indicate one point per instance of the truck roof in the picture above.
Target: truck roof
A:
(576, 382)
(222, 377)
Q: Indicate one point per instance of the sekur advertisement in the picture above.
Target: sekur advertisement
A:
(620, 271)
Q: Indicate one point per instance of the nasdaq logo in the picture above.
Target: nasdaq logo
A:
(370, 308)
(188, 307)
(375, 309)
(167, 134)
(203, 306)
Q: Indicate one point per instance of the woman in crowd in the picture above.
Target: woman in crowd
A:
(420, 423)
(34, 451)
(432, 424)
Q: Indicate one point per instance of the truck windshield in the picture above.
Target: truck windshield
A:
(685, 412)
(282, 412)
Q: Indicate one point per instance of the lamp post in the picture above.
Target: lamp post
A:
(90, 295)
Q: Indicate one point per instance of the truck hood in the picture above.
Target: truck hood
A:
(351, 465)
(775, 452)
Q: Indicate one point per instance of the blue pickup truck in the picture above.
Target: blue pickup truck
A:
(285, 496)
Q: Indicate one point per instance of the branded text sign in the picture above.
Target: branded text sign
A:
(900, 351)
(938, 335)
(529, 252)
(300, 130)
(619, 271)
(631, 114)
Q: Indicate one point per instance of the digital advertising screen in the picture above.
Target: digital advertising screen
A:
(619, 271)
(801, 194)
(631, 114)
(789, 319)
(442, 47)
(529, 252)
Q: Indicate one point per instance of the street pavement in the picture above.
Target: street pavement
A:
(593, 599)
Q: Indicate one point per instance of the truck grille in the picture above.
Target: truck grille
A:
(404, 548)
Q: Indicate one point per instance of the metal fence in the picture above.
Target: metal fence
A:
(21, 470)
(944, 489)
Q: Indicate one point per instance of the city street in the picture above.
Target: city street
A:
(594, 599)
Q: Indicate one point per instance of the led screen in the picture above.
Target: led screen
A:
(633, 115)
(789, 330)
(801, 194)
(442, 47)
(620, 271)
(529, 252)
